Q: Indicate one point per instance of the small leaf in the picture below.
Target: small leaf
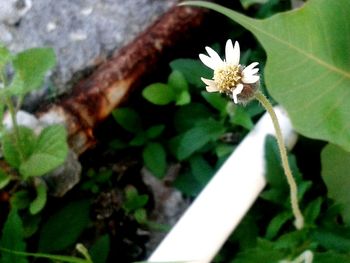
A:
(5, 56)
(331, 257)
(128, 118)
(133, 200)
(154, 131)
(192, 70)
(242, 118)
(39, 202)
(264, 252)
(276, 224)
(334, 238)
(216, 100)
(4, 179)
(201, 170)
(100, 250)
(50, 151)
(177, 81)
(183, 98)
(247, 3)
(64, 227)
(31, 66)
(187, 115)
(139, 140)
(154, 157)
(335, 173)
(15, 152)
(312, 211)
(187, 143)
(159, 94)
(140, 216)
(12, 239)
(20, 199)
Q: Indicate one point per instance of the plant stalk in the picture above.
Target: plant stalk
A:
(299, 219)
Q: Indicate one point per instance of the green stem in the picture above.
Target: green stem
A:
(299, 219)
(12, 111)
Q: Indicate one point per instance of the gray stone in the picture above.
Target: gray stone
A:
(82, 32)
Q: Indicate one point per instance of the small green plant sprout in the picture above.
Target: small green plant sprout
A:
(175, 90)
(153, 153)
(242, 85)
(134, 204)
(30, 148)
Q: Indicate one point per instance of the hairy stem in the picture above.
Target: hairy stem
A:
(299, 219)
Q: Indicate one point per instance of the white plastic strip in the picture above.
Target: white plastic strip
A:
(208, 222)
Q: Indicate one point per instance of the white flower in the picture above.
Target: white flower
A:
(229, 76)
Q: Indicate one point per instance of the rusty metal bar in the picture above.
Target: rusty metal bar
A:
(93, 98)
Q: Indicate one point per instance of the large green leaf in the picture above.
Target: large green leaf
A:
(31, 67)
(12, 239)
(335, 173)
(64, 227)
(50, 151)
(308, 65)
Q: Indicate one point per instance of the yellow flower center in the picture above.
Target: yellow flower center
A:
(227, 77)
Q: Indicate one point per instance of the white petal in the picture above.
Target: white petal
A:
(232, 53)
(211, 88)
(208, 61)
(249, 79)
(253, 71)
(237, 91)
(208, 81)
(214, 56)
(250, 67)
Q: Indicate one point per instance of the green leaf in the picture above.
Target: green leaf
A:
(12, 239)
(4, 179)
(312, 211)
(187, 143)
(276, 224)
(139, 139)
(241, 117)
(264, 252)
(20, 199)
(65, 226)
(187, 184)
(187, 115)
(39, 202)
(335, 173)
(16, 150)
(154, 157)
(307, 70)
(201, 170)
(192, 70)
(5, 57)
(154, 131)
(128, 118)
(331, 257)
(50, 151)
(55, 258)
(334, 238)
(31, 67)
(140, 216)
(159, 94)
(178, 83)
(100, 250)
(247, 3)
(216, 100)
(133, 200)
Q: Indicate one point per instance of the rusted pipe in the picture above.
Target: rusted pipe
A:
(93, 98)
